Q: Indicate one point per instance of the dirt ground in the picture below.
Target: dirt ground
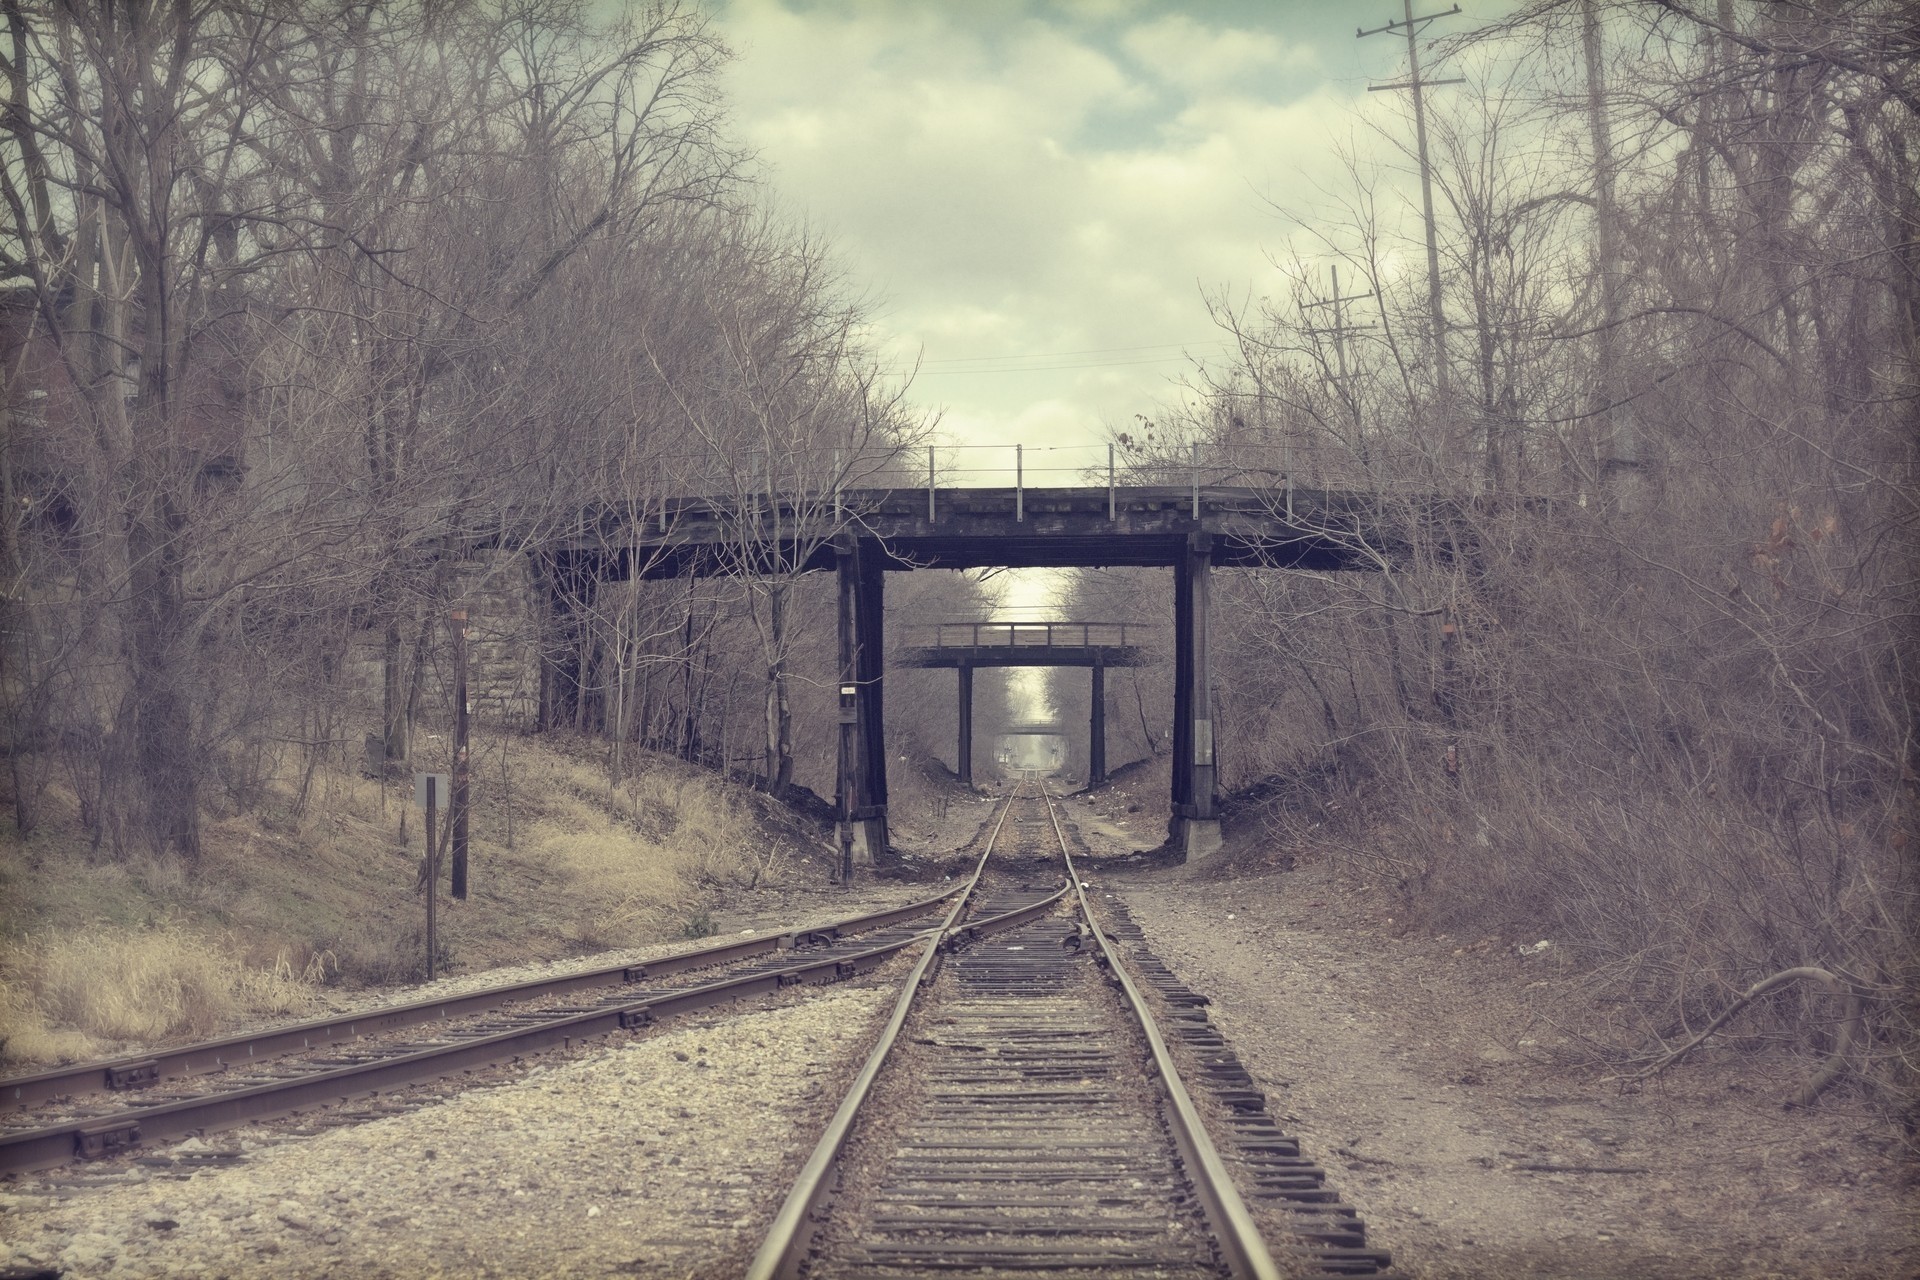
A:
(1435, 1079)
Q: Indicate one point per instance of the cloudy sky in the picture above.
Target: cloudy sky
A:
(1036, 193)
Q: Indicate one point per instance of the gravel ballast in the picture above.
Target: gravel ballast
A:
(663, 1156)
(1474, 1148)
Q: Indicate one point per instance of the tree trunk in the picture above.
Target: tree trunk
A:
(779, 771)
(163, 723)
(393, 703)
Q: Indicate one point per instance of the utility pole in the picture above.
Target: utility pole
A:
(1619, 443)
(1339, 333)
(1412, 26)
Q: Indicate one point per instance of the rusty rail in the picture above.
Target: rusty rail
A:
(108, 1134)
(1239, 1245)
(780, 1253)
(139, 1070)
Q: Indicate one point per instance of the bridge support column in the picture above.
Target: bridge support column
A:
(965, 758)
(1195, 824)
(861, 793)
(1097, 731)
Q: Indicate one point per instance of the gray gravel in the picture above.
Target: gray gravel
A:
(1445, 1124)
(664, 1156)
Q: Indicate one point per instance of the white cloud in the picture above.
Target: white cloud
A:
(1199, 59)
(1030, 185)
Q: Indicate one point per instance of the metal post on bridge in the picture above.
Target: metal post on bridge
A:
(1194, 468)
(1019, 483)
(929, 484)
(1112, 493)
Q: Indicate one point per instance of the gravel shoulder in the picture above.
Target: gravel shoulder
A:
(664, 1156)
(1438, 1085)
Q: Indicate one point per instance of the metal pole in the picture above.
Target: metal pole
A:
(847, 793)
(1110, 489)
(1019, 483)
(836, 484)
(1097, 729)
(462, 772)
(965, 745)
(1195, 468)
(929, 484)
(433, 875)
(1434, 302)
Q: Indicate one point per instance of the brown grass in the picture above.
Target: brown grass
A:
(64, 997)
(98, 954)
(647, 849)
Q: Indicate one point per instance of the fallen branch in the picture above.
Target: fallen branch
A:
(1850, 1028)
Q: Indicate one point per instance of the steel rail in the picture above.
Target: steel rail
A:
(1241, 1245)
(140, 1070)
(101, 1135)
(781, 1251)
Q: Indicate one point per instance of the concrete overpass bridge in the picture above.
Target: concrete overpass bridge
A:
(862, 535)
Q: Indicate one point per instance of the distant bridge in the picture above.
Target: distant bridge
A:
(967, 645)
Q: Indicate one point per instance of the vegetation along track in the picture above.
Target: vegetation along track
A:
(1031, 1117)
(106, 1108)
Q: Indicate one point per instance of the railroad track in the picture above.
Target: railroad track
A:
(109, 1108)
(1022, 1112)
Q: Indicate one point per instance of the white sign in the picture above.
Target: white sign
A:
(442, 789)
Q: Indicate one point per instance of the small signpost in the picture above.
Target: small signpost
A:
(427, 790)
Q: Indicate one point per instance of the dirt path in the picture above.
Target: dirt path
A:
(1430, 1086)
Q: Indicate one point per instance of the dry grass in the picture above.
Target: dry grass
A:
(64, 997)
(99, 954)
(650, 848)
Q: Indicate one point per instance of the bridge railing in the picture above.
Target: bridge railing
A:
(1257, 461)
(1024, 635)
(1260, 461)
(829, 483)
